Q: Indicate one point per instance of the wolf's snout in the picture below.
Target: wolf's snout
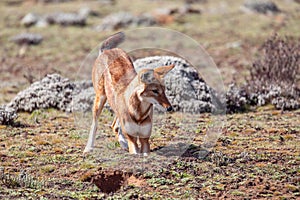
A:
(169, 109)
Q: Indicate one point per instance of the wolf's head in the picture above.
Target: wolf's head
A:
(153, 88)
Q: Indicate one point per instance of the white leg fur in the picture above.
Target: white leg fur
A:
(92, 135)
(145, 146)
(122, 140)
(133, 147)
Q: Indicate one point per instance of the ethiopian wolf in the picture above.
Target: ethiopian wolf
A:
(131, 95)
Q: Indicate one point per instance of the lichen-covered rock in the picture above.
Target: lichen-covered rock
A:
(236, 99)
(186, 91)
(265, 95)
(83, 97)
(239, 99)
(53, 91)
(61, 18)
(124, 19)
(83, 101)
(261, 6)
(195, 1)
(67, 19)
(7, 115)
(28, 39)
(284, 103)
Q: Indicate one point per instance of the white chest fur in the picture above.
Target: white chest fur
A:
(136, 130)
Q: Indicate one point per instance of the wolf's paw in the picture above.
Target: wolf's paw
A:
(88, 150)
(145, 154)
(123, 145)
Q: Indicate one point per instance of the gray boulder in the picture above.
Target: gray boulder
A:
(83, 97)
(282, 98)
(53, 91)
(67, 19)
(124, 19)
(61, 18)
(261, 6)
(285, 103)
(27, 38)
(240, 99)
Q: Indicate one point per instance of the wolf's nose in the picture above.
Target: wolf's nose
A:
(170, 108)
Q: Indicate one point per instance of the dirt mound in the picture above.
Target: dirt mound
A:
(109, 180)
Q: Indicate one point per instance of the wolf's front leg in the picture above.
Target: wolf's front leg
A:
(145, 146)
(132, 144)
(122, 139)
(98, 106)
(91, 140)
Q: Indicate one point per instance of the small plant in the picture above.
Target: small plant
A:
(274, 78)
(23, 180)
(278, 64)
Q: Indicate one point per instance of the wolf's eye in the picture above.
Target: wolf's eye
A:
(155, 91)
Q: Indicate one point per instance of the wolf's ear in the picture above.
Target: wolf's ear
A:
(147, 76)
(162, 71)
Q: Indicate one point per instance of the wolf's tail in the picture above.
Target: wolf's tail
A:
(113, 41)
